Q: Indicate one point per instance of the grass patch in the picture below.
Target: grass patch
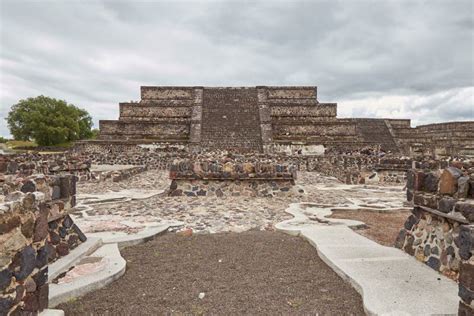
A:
(20, 143)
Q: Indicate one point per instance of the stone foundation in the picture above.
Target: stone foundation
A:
(230, 176)
(223, 188)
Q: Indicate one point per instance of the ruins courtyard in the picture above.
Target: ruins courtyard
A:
(242, 200)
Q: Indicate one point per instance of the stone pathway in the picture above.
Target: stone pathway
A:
(390, 281)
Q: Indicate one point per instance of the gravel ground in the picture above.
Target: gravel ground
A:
(382, 227)
(254, 272)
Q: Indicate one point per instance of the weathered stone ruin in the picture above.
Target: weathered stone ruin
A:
(230, 176)
(269, 120)
(248, 142)
(440, 231)
(35, 230)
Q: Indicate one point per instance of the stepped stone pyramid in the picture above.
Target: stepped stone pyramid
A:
(268, 119)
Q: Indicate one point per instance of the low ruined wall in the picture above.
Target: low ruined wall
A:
(440, 231)
(22, 165)
(35, 229)
(226, 188)
(350, 168)
(101, 175)
(451, 139)
(230, 176)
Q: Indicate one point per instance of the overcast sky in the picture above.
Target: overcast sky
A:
(396, 59)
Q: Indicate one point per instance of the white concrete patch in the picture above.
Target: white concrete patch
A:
(123, 195)
(105, 168)
(114, 268)
(52, 312)
(124, 239)
(390, 281)
(66, 262)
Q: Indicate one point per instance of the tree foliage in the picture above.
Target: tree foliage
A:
(48, 121)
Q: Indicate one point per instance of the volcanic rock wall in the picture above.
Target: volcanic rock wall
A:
(353, 168)
(22, 165)
(230, 176)
(35, 229)
(440, 231)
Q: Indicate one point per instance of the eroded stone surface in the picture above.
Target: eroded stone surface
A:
(209, 214)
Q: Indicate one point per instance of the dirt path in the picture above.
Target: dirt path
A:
(254, 272)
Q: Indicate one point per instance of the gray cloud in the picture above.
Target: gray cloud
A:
(408, 59)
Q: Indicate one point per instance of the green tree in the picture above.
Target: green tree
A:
(48, 121)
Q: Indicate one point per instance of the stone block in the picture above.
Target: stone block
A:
(28, 186)
(465, 241)
(430, 182)
(42, 257)
(41, 225)
(471, 189)
(434, 263)
(465, 294)
(56, 193)
(31, 302)
(463, 187)
(7, 223)
(5, 278)
(411, 179)
(448, 183)
(425, 199)
(80, 234)
(12, 242)
(446, 204)
(24, 263)
(65, 186)
(410, 222)
(12, 167)
(466, 275)
(43, 297)
(466, 208)
(6, 303)
(41, 277)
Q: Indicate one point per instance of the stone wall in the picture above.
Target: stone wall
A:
(352, 167)
(440, 231)
(228, 175)
(101, 175)
(437, 140)
(35, 229)
(22, 165)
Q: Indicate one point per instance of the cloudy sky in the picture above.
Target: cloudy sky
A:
(397, 59)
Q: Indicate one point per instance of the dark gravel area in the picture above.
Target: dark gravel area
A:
(255, 272)
(382, 227)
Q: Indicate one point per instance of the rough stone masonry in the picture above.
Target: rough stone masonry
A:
(268, 119)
